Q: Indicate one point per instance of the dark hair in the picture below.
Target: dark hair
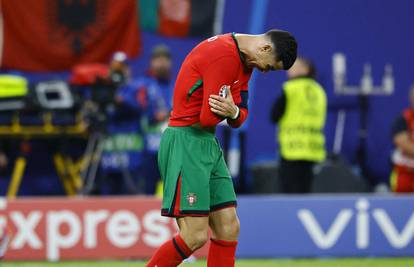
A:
(161, 50)
(285, 45)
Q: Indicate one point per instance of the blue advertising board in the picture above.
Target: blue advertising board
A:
(315, 226)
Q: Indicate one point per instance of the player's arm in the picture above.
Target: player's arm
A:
(219, 73)
(225, 107)
(238, 120)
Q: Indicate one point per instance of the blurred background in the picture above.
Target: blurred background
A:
(85, 93)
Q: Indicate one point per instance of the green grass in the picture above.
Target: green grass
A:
(383, 262)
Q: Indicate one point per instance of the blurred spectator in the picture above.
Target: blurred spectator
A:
(122, 158)
(156, 86)
(141, 113)
(119, 69)
(402, 176)
(300, 112)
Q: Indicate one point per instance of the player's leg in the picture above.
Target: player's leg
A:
(223, 219)
(185, 167)
(194, 231)
(225, 224)
(193, 234)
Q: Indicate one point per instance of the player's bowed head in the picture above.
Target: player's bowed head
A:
(273, 50)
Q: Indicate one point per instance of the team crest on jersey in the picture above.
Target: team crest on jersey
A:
(223, 90)
(191, 198)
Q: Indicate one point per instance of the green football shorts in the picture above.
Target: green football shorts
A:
(196, 178)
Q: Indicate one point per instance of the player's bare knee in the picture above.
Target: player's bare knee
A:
(229, 230)
(233, 229)
(201, 239)
(197, 240)
(194, 238)
(237, 227)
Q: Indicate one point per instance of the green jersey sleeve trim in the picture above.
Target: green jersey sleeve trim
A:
(193, 88)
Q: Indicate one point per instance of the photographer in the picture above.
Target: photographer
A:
(156, 86)
(123, 149)
(136, 123)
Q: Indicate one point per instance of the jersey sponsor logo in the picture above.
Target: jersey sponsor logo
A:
(223, 90)
(191, 198)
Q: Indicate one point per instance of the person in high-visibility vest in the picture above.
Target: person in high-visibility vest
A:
(402, 130)
(300, 113)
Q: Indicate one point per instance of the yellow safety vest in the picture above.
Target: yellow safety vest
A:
(12, 86)
(301, 127)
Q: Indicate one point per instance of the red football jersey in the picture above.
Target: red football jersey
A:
(212, 65)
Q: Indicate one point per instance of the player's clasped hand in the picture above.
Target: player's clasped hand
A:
(223, 106)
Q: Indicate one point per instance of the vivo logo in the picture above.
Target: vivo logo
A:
(326, 239)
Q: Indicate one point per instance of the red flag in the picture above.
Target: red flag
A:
(44, 35)
(174, 17)
(182, 18)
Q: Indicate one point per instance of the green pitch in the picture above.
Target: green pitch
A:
(389, 262)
